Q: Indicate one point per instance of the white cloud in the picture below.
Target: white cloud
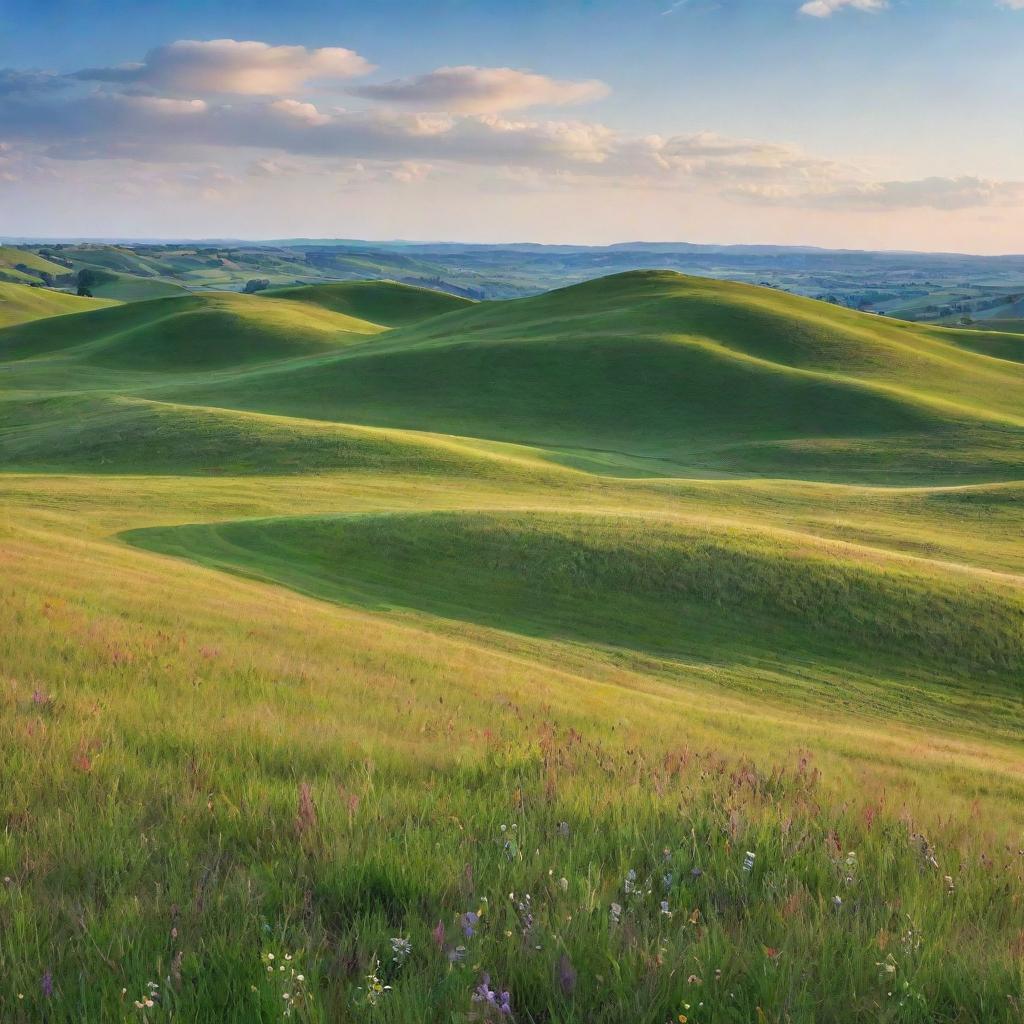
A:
(935, 193)
(306, 112)
(475, 90)
(826, 8)
(273, 136)
(230, 66)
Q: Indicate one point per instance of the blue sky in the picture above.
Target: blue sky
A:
(859, 123)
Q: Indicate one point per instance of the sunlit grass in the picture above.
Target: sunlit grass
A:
(450, 732)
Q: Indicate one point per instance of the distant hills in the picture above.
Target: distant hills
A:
(925, 287)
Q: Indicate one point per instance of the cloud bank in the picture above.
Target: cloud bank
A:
(247, 105)
(475, 90)
(231, 66)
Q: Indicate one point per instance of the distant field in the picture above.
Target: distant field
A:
(936, 288)
(126, 288)
(654, 646)
(23, 266)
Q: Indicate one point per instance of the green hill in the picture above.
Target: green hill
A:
(755, 597)
(192, 332)
(652, 649)
(22, 266)
(131, 288)
(661, 374)
(112, 434)
(382, 302)
(21, 303)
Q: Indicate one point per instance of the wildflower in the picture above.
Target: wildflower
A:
(563, 829)
(375, 988)
(748, 861)
(47, 985)
(483, 993)
(469, 921)
(401, 950)
(563, 884)
(615, 911)
(948, 879)
(525, 910)
(666, 881)
(457, 955)
(696, 873)
(629, 885)
(837, 902)
(438, 935)
(664, 909)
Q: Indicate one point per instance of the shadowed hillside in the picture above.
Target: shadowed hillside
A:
(656, 373)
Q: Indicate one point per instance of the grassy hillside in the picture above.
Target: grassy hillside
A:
(23, 266)
(674, 374)
(191, 332)
(130, 288)
(382, 302)
(651, 649)
(754, 597)
(20, 303)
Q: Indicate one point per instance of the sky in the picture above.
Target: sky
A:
(869, 124)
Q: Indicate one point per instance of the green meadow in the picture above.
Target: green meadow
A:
(650, 650)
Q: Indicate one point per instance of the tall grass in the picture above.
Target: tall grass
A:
(464, 735)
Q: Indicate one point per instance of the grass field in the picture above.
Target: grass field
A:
(647, 651)
(20, 304)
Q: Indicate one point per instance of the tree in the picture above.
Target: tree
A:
(87, 280)
(256, 284)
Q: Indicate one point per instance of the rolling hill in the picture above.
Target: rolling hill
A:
(651, 649)
(383, 302)
(664, 374)
(21, 303)
(23, 266)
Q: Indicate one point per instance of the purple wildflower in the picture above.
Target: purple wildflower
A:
(469, 921)
(566, 975)
(47, 985)
(501, 1001)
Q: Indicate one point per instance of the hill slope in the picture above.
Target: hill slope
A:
(680, 374)
(760, 597)
(381, 302)
(20, 303)
(282, 689)
(22, 266)
(193, 332)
